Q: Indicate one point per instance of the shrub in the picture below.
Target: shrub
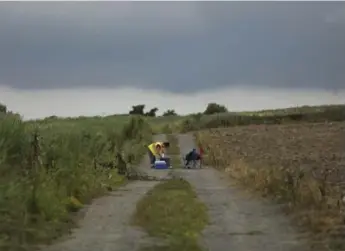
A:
(213, 108)
(51, 168)
(3, 108)
(152, 112)
(137, 110)
(169, 113)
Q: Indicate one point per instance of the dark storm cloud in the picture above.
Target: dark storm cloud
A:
(174, 46)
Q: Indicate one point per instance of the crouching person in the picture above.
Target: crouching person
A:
(156, 151)
(193, 155)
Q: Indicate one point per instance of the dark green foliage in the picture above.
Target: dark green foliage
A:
(169, 113)
(51, 167)
(213, 108)
(3, 108)
(137, 110)
(152, 112)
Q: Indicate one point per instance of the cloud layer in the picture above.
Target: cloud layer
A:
(177, 47)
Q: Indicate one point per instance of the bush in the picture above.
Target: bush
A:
(3, 108)
(49, 169)
(213, 108)
(169, 113)
(152, 112)
(137, 110)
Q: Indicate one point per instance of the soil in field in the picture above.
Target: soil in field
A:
(314, 147)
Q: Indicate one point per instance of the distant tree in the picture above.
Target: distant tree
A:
(152, 112)
(137, 110)
(213, 108)
(196, 116)
(52, 117)
(3, 108)
(169, 113)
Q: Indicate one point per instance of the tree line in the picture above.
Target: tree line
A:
(211, 108)
(3, 108)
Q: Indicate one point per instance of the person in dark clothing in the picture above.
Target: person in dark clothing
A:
(192, 156)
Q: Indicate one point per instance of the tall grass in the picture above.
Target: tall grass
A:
(49, 169)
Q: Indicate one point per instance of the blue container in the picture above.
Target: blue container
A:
(161, 164)
(167, 160)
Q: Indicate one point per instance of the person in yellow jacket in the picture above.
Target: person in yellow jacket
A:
(155, 151)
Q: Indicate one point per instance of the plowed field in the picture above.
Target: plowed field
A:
(311, 147)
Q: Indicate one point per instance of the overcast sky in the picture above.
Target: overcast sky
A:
(85, 58)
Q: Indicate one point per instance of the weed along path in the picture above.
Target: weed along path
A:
(106, 223)
(238, 222)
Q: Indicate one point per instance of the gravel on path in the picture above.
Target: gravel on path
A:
(238, 221)
(105, 225)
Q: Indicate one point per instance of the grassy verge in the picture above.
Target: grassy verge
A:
(174, 144)
(174, 151)
(50, 169)
(175, 161)
(299, 166)
(172, 212)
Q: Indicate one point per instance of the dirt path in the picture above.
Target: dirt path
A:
(105, 226)
(238, 222)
